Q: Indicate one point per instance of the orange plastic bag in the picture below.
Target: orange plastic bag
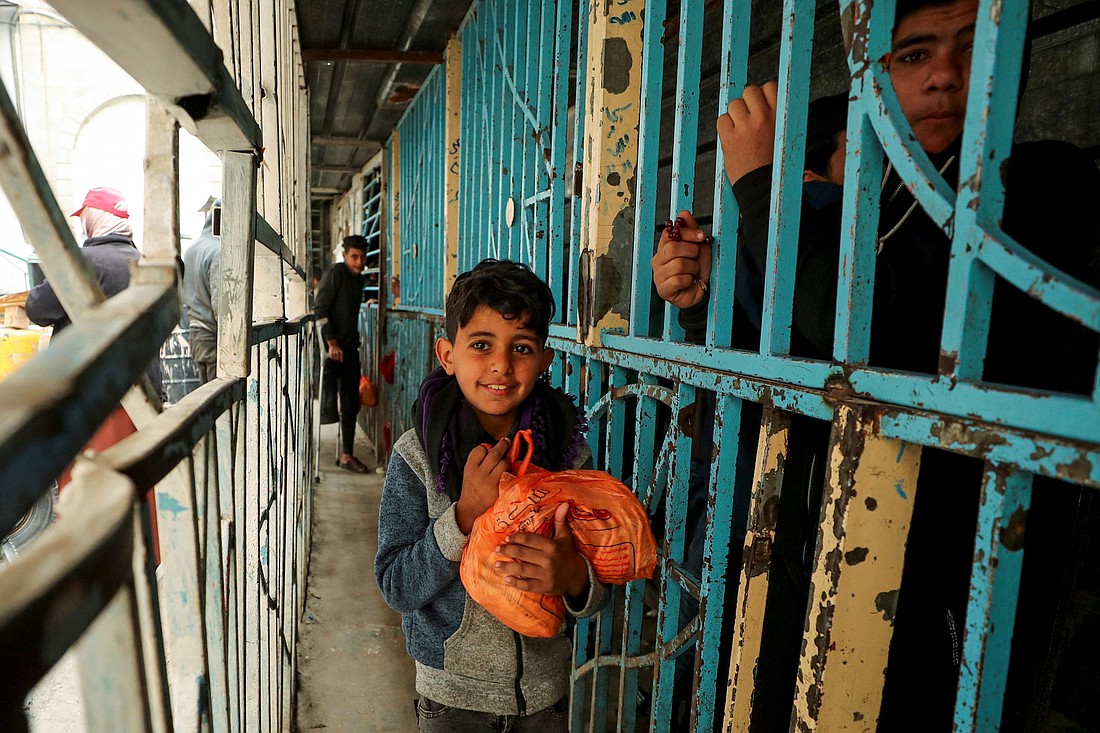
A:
(368, 395)
(610, 528)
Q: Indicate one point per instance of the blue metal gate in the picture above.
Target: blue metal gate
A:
(582, 128)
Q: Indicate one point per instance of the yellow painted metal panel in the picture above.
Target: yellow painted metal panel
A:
(752, 593)
(868, 507)
(613, 91)
(453, 60)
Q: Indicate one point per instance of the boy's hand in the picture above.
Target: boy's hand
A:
(481, 482)
(539, 564)
(747, 131)
(681, 268)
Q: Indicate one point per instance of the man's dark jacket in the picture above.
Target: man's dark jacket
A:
(339, 295)
(110, 257)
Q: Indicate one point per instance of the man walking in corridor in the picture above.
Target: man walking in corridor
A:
(339, 296)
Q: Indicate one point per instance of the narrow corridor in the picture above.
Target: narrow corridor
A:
(353, 672)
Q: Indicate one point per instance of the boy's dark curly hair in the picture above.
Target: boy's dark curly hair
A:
(509, 288)
(356, 241)
(826, 119)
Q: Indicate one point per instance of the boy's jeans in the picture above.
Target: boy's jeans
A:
(433, 717)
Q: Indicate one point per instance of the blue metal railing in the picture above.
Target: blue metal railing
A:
(638, 384)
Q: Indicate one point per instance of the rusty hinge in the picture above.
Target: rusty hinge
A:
(758, 555)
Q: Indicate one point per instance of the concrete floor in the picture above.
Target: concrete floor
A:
(354, 674)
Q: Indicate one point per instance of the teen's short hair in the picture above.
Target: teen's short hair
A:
(826, 118)
(904, 8)
(355, 241)
(509, 288)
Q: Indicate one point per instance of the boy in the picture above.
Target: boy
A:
(339, 295)
(472, 671)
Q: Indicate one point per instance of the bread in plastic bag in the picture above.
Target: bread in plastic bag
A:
(610, 528)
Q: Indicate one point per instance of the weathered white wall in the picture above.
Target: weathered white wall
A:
(85, 118)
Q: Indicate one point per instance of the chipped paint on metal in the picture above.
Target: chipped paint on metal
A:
(166, 502)
(453, 138)
(1070, 460)
(611, 130)
(994, 589)
(752, 592)
(877, 451)
(857, 569)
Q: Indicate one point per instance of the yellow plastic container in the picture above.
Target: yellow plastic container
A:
(17, 345)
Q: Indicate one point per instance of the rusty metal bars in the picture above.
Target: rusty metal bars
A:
(646, 169)
(994, 588)
(882, 418)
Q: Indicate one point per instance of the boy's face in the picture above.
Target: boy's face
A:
(497, 363)
(355, 259)
(930, 70)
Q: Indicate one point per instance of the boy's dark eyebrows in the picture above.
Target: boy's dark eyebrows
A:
(490, 334)
(493, 334)
(914, 40)
(925, 38)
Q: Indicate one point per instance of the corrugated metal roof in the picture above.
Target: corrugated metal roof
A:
(365, 59)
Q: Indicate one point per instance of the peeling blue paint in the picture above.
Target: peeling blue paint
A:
(168, 503)
(900, 490)
(901, 451)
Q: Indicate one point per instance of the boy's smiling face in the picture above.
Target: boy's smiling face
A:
(497, 362)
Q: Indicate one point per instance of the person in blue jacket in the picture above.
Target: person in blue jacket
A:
(472, 671)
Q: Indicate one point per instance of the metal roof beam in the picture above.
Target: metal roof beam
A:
(346, 141)
(337, 168)
(373, 56)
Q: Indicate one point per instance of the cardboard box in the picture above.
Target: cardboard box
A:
(15, 316)
(12, 311)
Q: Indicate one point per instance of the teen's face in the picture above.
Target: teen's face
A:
(355, 259)
(930, 69)
(497, 363)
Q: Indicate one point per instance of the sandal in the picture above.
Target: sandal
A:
(353, 464)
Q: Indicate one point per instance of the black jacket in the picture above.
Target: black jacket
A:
(339, 295)
(1051, 191)
(110, 257)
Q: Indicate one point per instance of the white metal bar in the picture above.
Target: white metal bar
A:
(164, 46)
(238, 244)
